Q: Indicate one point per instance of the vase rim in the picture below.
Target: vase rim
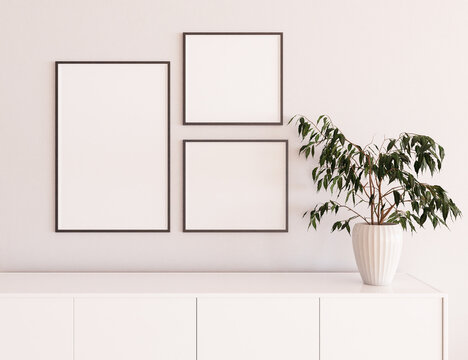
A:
(384, 224)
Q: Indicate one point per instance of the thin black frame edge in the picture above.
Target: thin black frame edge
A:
(168, 229)
(185, 230)
(184, 120)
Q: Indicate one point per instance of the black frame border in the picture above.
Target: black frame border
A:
(168, 229)
(280, 34)
(184, 173)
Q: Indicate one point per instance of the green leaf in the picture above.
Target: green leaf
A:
(342, 139)
(396, 197)
(422, 219)
(314, 174)
(441, 152)
(336, 226)
(348, 229)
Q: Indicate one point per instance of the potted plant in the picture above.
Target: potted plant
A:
(377, 185)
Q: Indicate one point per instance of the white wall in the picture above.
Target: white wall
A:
(376, 66)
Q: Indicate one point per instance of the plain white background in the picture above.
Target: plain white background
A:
(223, 71)
(152, 328)
(235, 185)
(377, 67)
(293, 329)
(112, 166)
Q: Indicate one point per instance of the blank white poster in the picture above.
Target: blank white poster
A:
(237, 185)
(233, 78)
(112, 146)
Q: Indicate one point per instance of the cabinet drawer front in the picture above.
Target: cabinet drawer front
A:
(135, 328)
(258, 328)
(381, 328)
(36, 329)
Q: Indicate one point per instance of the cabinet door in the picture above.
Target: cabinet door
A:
(135, 329)
(36, 329)
(258, 328)
(381, 328)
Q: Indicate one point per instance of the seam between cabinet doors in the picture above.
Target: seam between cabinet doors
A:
(320, 329)
(443, 328)
(73, 331)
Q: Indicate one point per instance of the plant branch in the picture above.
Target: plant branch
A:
(352, 210)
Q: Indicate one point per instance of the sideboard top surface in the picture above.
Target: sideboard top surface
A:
(206, 284)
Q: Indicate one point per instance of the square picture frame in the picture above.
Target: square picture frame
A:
(235, 185)
(112, 146)
(233, 78)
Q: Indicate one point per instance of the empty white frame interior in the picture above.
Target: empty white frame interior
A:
(237, 185)
(233, 78)
(112, 146)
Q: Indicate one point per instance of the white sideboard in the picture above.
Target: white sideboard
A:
(218, 316)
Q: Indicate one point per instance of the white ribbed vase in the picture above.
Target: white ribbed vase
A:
(377, 249)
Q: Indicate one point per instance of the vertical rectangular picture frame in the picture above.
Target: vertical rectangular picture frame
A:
(277, 164)
(99, 104)
(202, 92)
